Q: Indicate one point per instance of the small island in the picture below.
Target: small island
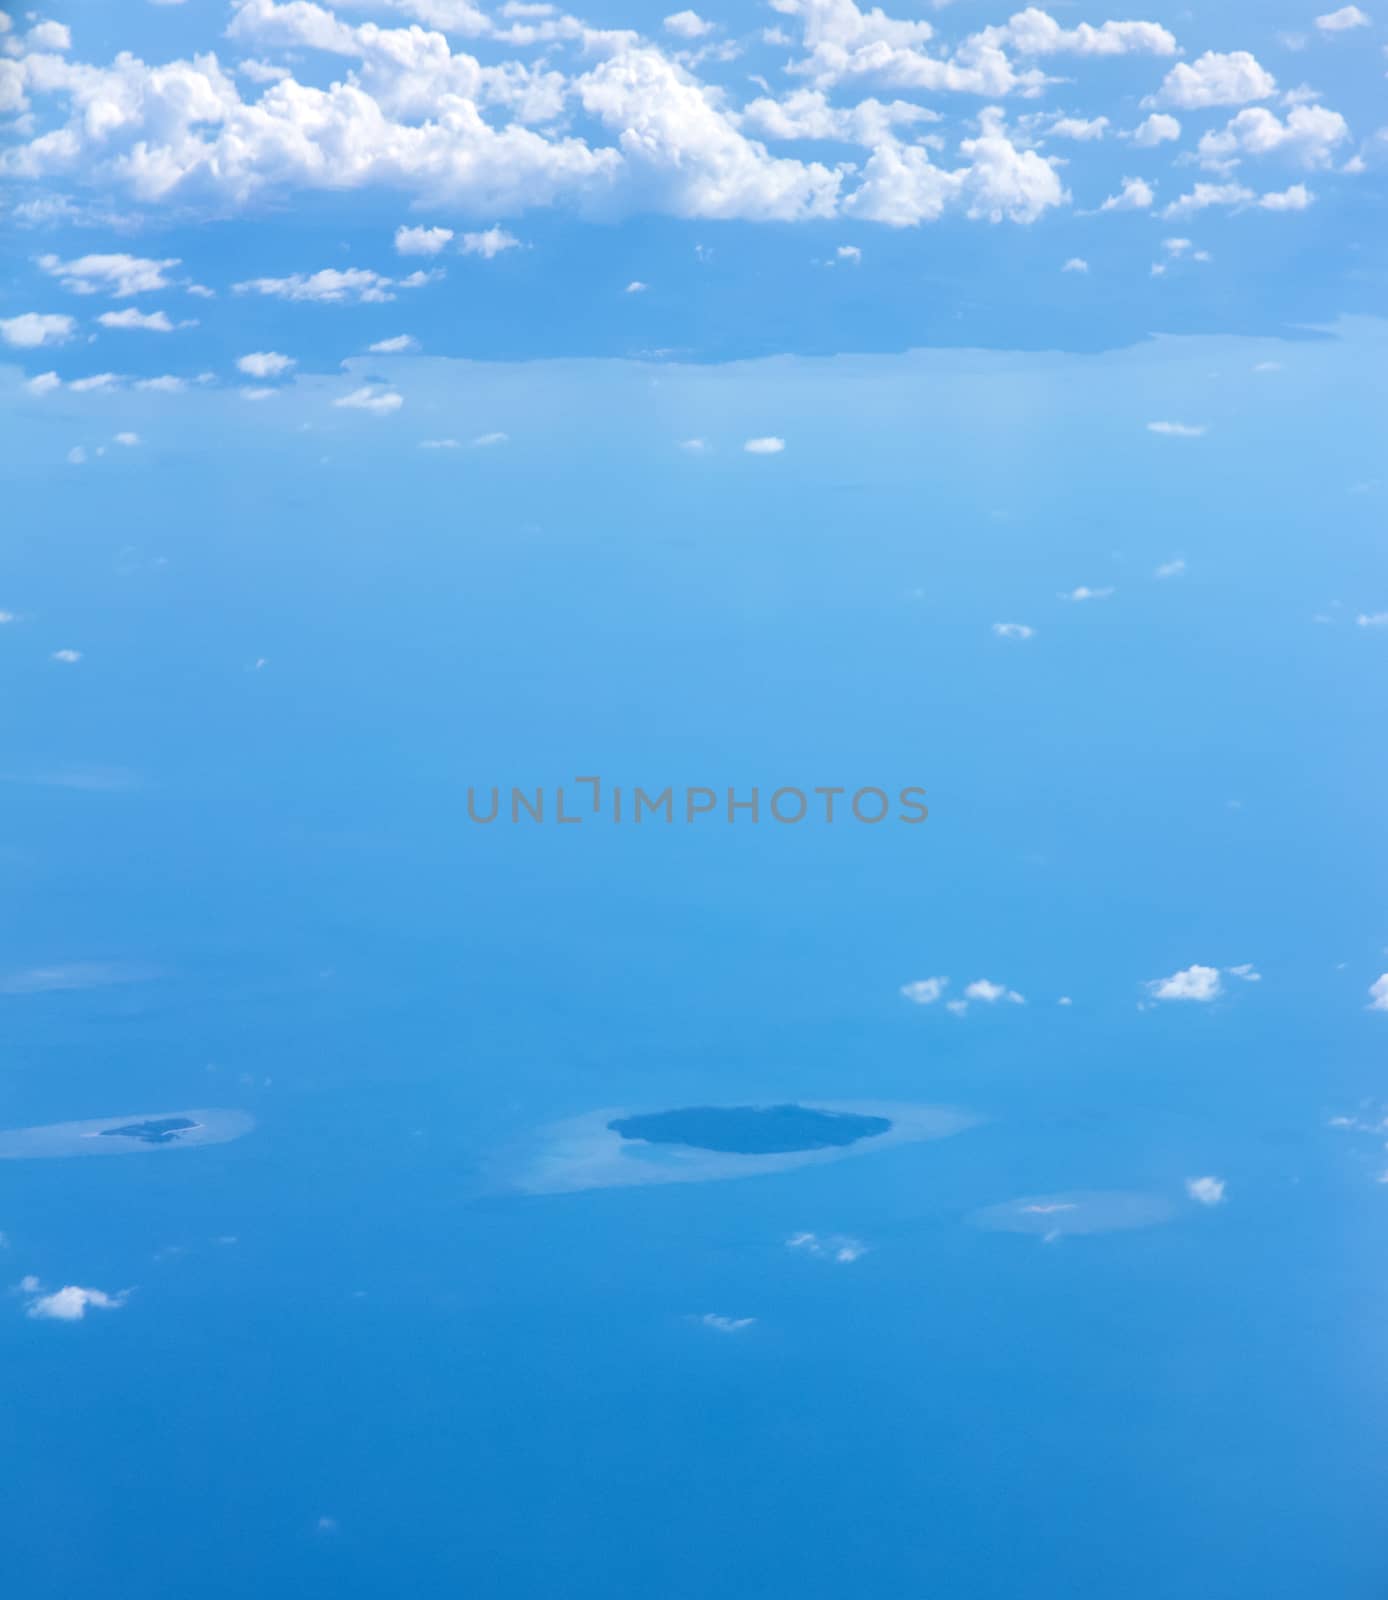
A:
(160, 1130)
(752, 1130)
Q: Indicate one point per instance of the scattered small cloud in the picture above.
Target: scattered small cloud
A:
(722, 1324)
(33, 329)
(68, 1304)
(636, 287)
(1170, 569)
(399, 345)
(687, 25)
(1343, 20)
(836, 1247)
(1378, 994)
(1245, 972)
(1372, 619)
(379, 402)
(44, 383)
(1192, 983)
(849, 252)
(1084, 592)
(925, 991)
(129, 440)
(989, 993)
(439, 444)
(488, 441)
(117, 274)
(132, 320)
(694, 446)
(1135, 194)
(768, 446)
(1206, 1191)
(421, 241)
(1013, 630)
(264, 364)
(1178, 430)
(1076, 264)
(490, 243)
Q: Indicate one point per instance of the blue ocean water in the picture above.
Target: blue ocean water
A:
(351, 1361)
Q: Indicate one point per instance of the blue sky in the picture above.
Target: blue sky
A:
(693, 453)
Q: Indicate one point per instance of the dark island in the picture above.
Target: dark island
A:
(751, 1130)
(162, 1131)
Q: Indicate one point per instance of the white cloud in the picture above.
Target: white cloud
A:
(1215, 79)
(331, 286)
(636, 287)
(95, 382)
(1033, 33)
(694, 446)
(489, 441)
(849, 252)
(1206, 1191)
(1205, 195)
(127, 439)
(1378, 994)
(1086, 593)
(807, 114)
(1372, 619)
(1297, 198)
(836, 1247)
(1309, 137)
(489, 243)
(44, 383)
(1154, 130)
(401, 343)
(1193, 983)
(421, 241)
(132, 320)
(768, 446)
(31, 329)
(1013, 630)
(264, 364)
(166, 383)
(77, 455)
(924, 991)
(1178, 430)
(254, 393)
(1135, 195)
(687, 25)
(69, 1304)
(118, 275)
(380, 402)
(1170, 569)
(1246, 972)
(722, 1324)
(989, 993)
(1340, 21)
(439, 444)
(1081, 129)
(1076, 264)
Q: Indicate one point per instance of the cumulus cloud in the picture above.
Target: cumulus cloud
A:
(1170, 569)
(1013, 630)
(331, 286)
(687, 25)
(1086, 593)
(1378, 994)
(1154, 130)
(31, 329)
(132, 320)
(989, 993)
(925, 991)
(767, 446)
(379, 402)
(1341, 21)
(1192, 983)
(68, 1304)
(1178, 430)
(264, 364)
(44, 383)
(489, 441)
(1134, 195)
(1309, 136)
(489, 243)
(722, 1324)
(1076, 264)
(117, 275)
(421, 241)
(399, 345)
(1206, 1191)
(1215, 79)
